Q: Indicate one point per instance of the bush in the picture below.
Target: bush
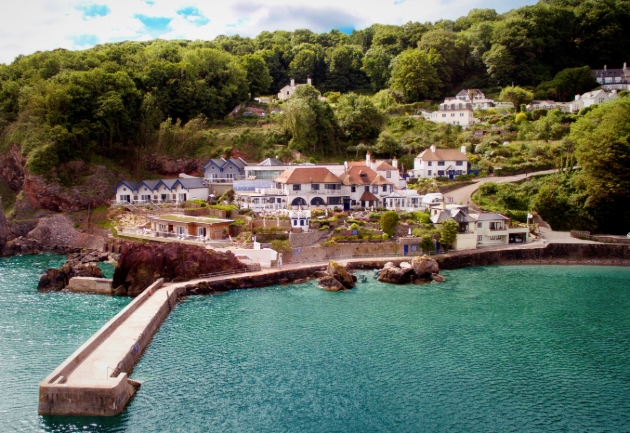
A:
(281, 246)
(354, 226)
(225, 207)
(385, 236)
(427, 244)
(388, 222)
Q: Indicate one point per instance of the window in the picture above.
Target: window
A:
(429, 172)
(443, 115)
(297, 187)
(495, 238)
(295, 222)
(254, 201)
(315, 187)
(201, 231)
(440, 163)
(302, 222)
(384, 188)
(388, 174)
(375, 189)
(367, 189)
(334, 200)
(430, 163)
(332, 186)
(459, 162)
(182, 197)
(479, 238)
(278, 200)
(461, 114)
(162, 227)
(479, 225)
(452, 114)
(353, 188)
(181, 231)
(391, 188)
(440, 172)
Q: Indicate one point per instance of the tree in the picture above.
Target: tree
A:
(358, 118)
(516, 95)
(602, 140)
(387, 144)
(448, 232)
(257, 74)
(414, 76)
(299, 121)
(427, 243)
(388, 222)
(376, 66)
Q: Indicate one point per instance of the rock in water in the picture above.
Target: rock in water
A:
(340, 274)
(394, 275)
(141, 264)
(330, 284)
(424, 266)
(53, 280)
(438, 278)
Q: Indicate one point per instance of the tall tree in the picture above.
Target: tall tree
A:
(414, 75)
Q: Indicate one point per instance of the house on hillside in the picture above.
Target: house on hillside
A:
(367, 187)
(466, 238)
(454, 113)
(479, 100)
(176, 190)
(407, 200)
(613, 79)
(224, 170)
(435, 162)
(594, 97)
(543, 105)
(259, 195)
(287, 91)
(313, 186)
(493, 229)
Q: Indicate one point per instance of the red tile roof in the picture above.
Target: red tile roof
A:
(368, 196)
(307, 175)
(443, 155)
(356, 169)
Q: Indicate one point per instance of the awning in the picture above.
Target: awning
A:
(368, 196)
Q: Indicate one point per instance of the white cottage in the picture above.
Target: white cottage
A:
(287, 91)
(435, 162)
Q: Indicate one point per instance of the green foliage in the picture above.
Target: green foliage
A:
(385, 236)
(516, 95)
(521, 117)
(427, 244)
(414, 74)
(227, 208)
(388, 222)
(566, 84)
(281, 246)
(358, 118)
(448, 232)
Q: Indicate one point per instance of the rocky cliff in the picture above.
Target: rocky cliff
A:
(140, 264)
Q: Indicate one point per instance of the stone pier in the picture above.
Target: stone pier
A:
(94, 379)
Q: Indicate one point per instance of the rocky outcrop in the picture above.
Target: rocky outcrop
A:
(51, 234)
(141, 264)
(395, 275)
(77, 265)
(4, 230)
(167, 166)
(420, 270)
(336, 278)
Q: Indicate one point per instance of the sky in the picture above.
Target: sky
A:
(27, 26)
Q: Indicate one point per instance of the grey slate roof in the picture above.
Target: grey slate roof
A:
(491, 216)
(192, 182)
(272, 161)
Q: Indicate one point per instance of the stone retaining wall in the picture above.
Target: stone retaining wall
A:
(102, 286)
(599, 238)
(341, 251)
(305, 239)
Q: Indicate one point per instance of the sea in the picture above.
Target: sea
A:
(493, 349)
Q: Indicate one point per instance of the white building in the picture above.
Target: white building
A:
(594, 97)
(404, 200)
(316, 186)
(176, 190)
(300, 218)
(613, 79)
(454, 113)
(494, 229)
(366, 187)
(435, 162)
(479, 100)
(287, 91)
(259, 195)
(543, 105)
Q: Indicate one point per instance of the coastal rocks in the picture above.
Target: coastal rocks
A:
(336, 278)
(77, 265)
(140, 264)
(423, 266)
(420, 270)
(395, 275)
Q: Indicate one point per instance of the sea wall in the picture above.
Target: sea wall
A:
(600, 238)
(107, 397)
(101, 286)
(341, 251)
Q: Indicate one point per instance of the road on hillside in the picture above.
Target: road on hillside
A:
(462, 195)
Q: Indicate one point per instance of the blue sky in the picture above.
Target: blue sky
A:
(34, 25)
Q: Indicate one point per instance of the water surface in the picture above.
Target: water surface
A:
(509, 348)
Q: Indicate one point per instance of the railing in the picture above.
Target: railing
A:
(223, 179)
(254, 267)
(494, 229)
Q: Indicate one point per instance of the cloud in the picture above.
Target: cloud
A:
(36, 25)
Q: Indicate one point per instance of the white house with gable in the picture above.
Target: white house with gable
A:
(435, 162)
(287, 91)
(594, 97)
(454, 112)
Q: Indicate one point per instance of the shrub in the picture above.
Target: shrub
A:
(281, 246)
(227, 208)
(448, 232)
(385, 236)
(354, 226)
(427, 244)
(388, 222)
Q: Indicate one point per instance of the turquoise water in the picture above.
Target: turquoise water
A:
(522, 348)
(38, 331)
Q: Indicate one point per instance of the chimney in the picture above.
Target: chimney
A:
(308, 80)
(605, 67)
(292, 82)
(463, 149)
(625, 66)
(395, 162)
(367, 158)
(577, 97)
(433, 148)
(373, 165)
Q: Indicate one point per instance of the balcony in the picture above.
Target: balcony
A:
(224, 179)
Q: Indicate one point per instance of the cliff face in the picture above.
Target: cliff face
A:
(173, 167)
(141, 264)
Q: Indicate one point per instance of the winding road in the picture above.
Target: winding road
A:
(462, 195)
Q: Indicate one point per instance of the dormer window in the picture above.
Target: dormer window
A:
(363, 175)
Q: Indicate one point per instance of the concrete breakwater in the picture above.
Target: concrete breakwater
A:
(94, 380)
